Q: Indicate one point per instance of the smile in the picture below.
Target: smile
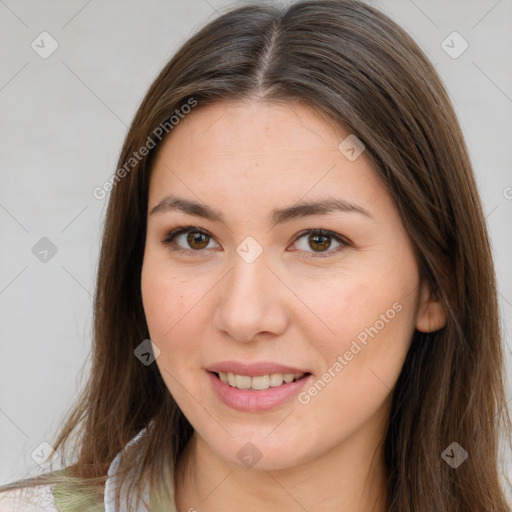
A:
(257, 393)
(258, 382)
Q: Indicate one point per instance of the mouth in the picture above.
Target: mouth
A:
(259, 392)
(259, 382)
(258, 386)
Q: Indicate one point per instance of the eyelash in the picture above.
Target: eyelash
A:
(167, 241)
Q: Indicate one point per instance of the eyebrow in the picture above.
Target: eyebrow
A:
(278, 216)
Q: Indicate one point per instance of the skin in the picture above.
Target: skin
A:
(245, 159)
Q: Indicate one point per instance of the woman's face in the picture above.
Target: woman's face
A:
(250, 293)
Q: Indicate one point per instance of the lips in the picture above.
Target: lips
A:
(256, 387)
(254, 369)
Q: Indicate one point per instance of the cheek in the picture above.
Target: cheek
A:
(359, 365)
(170, 306)
(167, 298)
(170, 314)
(367, 317)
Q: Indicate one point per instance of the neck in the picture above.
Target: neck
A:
(349, 478)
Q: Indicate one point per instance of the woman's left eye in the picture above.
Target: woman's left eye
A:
(197, 239)
(322, 239)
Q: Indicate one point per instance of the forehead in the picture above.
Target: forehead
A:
(262, 152)
(255, 134)
(243, 125)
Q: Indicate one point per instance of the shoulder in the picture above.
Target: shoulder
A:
(28, 499)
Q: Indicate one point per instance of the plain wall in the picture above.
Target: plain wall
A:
(63, 120)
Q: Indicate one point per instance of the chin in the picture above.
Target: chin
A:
(258, 452)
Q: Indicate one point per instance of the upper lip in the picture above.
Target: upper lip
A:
(253, 369)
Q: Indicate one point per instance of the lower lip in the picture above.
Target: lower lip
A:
(253, 400)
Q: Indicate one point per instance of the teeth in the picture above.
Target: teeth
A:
(242, 381)
(276, 379)
(260, 382)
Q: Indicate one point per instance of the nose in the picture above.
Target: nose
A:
(251, 301)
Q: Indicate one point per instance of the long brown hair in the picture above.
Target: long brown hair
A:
(359, 69)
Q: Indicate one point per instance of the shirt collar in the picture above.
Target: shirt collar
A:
(111, 483)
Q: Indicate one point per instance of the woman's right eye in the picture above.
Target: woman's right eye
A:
(195, 238)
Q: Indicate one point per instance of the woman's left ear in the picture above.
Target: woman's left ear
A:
(431, 312)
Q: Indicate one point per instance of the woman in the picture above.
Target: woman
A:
(296, 304)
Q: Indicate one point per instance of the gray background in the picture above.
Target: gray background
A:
(63, 120)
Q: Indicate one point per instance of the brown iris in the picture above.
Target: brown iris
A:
(194, 237)
(322, 242)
